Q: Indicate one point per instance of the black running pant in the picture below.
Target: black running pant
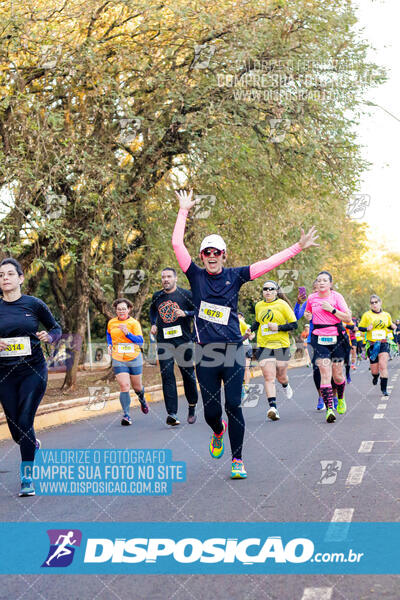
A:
(21, 391)
(225, 364)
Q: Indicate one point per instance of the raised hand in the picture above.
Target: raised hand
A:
(308, 239)
(185, 199)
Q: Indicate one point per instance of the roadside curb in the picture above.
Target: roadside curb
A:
(79, 409)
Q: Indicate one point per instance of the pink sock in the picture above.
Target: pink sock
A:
(327, 395)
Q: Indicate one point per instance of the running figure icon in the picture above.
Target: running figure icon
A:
(62, 549)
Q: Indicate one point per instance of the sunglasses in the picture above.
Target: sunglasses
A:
(269, 289)
(374, 302)
(209, 252)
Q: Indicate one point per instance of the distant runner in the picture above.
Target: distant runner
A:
(274, 320)
(328, 308)
(377, 324)
(124, 339)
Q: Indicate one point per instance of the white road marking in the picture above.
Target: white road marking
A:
(355, 475)
(338, 534)
(366, 446)
(381, 407)
(378, 416)
(315, 593)
(342, 515)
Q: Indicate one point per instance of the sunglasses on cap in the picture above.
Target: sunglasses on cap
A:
(212, 252)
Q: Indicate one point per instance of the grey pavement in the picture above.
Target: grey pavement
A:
(284, 484)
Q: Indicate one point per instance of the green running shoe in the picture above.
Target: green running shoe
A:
(330, 416)
(341, 407)
(238, 470)
(217, 442)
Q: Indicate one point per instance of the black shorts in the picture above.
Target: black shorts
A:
(336, 352)
(249, 350)
(384, 348)
(281, 354)
(354, 343)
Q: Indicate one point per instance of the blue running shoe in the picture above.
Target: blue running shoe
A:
(335, 402)
(320, 404)
(27, 488)
(126, 420)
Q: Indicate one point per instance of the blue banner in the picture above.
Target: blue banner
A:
(218, 548)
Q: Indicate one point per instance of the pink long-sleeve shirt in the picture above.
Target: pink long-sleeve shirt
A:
(256, 269)
(215, 296)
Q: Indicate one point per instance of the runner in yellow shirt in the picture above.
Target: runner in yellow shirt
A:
(274, 319)
(377, 323)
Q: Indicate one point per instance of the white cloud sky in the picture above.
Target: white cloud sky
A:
(379, 133)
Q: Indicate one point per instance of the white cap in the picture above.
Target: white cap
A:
(272, 283)
(213, 241)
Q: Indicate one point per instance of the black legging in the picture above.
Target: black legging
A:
(317, 377)
(21, 391)
(227, 365)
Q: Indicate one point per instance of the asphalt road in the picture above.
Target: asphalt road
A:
(284, 484)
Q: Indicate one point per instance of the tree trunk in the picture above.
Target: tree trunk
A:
(118, 271)
(77, 314)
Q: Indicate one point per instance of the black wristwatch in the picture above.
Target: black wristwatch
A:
(334, 310)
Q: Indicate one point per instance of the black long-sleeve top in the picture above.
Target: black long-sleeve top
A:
(22, 319)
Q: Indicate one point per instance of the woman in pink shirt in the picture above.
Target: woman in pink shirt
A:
(328, 309)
